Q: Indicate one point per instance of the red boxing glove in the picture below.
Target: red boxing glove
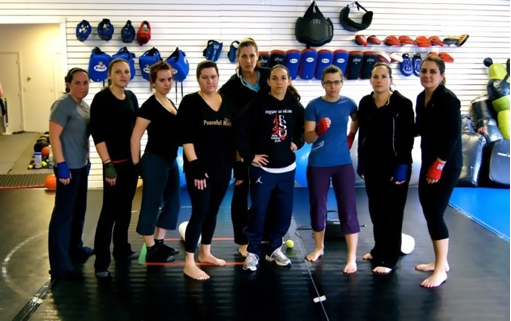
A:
(350, 139)
(435, 170)
(322, 127)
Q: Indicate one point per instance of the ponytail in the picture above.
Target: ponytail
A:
(293, 92)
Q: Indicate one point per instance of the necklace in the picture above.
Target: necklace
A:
(380, 103)
(167, 106)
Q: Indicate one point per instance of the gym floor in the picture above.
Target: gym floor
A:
(477, 288)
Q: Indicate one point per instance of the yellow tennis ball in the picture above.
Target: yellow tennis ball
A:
(290, 244)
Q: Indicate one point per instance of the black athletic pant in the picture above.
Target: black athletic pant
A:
(434, 199)
(239, 212)
(205, 206)
(66, 223)
(386, 207)
(115, 215)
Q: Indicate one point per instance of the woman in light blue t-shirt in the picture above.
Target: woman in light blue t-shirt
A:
(326, 120)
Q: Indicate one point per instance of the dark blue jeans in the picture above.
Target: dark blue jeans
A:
(161, 189)
(115, 216)
(66, 223)
(264, 186)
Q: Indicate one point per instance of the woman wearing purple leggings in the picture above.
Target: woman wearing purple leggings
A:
(326, 120)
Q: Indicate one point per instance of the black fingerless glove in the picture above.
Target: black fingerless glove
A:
(137, 169)
(109, 170)
(196, 170)
(240, 171)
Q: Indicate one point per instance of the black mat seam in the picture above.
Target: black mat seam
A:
(314, 289)
(34, 303)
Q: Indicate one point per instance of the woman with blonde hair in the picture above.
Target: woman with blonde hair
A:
(249, 80)
(113, 116)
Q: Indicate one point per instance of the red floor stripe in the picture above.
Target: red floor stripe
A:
(214, 239)
(183, 263)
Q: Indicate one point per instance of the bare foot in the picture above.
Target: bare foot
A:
(315, 255)
(367, 256)
(211, 259)
(194, 272)
(351, 267)
(436, 279)
(382, 270)
(429, 267)
(242, 250)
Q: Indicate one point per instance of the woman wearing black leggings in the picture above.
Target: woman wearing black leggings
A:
(112, 117)
(206, 129)
(438, 123)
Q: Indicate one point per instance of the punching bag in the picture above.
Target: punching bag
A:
(498, 91)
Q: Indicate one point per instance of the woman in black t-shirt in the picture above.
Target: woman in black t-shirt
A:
(206, 133)
(158, 167)
(112, 117)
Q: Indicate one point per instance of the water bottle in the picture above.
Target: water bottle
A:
(37, 160)
(50, 158)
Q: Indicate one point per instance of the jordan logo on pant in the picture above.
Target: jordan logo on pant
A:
(259, 180)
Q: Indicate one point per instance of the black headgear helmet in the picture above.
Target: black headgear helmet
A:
(351, 25)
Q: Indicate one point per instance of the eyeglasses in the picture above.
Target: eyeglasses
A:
(330, 83)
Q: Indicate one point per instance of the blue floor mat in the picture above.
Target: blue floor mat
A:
(486, 206)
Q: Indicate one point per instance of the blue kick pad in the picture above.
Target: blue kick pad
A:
(487, 206)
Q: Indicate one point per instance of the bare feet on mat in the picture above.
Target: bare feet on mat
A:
(429, 267)
(351, 267)
(242, 250)
(315, 255)
(382, 270)
(193, 271)
(436, 279)
(211, 259)
(367, 256)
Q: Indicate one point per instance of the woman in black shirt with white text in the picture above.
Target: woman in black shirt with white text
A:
(206, 133)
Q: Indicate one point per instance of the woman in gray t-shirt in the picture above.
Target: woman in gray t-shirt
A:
(69, 136)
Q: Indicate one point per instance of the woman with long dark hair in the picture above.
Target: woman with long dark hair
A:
(269, 130)
(438, 121)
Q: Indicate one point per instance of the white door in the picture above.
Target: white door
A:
(10, 79)
(58, 76)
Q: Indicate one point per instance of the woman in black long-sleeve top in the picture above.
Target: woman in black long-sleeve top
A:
(205, 119)
(241, 88)
(268, 132)
(386, 134)
(112, 118)
(438, 122)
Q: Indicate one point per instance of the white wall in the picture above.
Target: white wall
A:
(41, 80)
(189, 24)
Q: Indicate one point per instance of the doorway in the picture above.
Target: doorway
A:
(10, 77)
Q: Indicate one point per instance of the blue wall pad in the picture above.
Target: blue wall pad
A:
(487, 206)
